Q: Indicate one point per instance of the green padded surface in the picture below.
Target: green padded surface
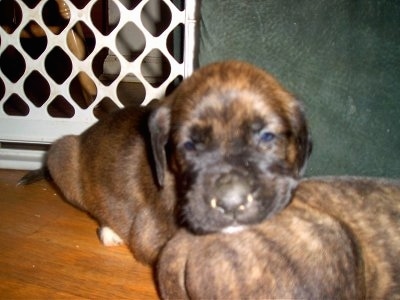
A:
(341, 58)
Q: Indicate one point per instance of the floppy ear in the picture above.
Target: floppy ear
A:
(303, 141)
(159, 127)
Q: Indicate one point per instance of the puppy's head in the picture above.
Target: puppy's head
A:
(236, 142)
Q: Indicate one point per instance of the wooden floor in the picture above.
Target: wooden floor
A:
(49, 250)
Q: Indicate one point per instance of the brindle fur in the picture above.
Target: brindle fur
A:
(107, 172)
(133, 173)
(338, 239)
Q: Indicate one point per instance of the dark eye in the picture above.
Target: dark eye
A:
(266, 136)
(189, 146)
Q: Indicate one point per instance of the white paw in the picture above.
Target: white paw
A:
(109, 238)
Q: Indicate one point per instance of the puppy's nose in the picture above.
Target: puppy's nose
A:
(232, 194)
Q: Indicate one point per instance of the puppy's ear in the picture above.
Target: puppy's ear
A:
(303, 141)
(159, 127)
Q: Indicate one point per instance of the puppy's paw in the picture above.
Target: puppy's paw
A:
(109, 238)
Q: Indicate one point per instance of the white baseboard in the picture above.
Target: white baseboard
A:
(20, 159)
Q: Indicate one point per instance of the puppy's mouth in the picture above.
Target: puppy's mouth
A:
(230, 214)
(234, 202)
(236, 208)
(213, 218)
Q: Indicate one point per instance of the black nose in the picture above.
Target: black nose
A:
(232, 193)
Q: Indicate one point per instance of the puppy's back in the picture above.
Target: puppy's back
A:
(298, 254)
(63, 165)
(338, 239)
(370, 210)
(80, 164)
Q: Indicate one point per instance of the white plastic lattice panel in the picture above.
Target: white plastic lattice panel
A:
(65, 63)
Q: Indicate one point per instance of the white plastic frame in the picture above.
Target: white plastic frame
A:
(38, 127)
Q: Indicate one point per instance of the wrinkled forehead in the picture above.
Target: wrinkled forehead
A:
(234, 107)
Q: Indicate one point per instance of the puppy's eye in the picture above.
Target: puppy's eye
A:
(266, 136)
(189, 146)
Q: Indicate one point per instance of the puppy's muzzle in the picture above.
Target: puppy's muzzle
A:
(232, 194)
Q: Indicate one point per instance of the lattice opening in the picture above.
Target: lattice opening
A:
(152, 20)
(36, 88)
(97, 10)
(80, 96)
(15, 106)
(2, 88)
(10, 15)
(174, 44)
(130, 93)
(132, 50)
(34, 47)
(88, 41)
(104, 107)
(157, 69)
(174, 83)
(51, 18)
(60, 108)
(58, 65)
(12, 64)
(107, 76)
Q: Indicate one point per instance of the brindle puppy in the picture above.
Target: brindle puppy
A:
(225, 150)
(338, 239)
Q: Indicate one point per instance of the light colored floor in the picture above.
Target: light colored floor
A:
(49, 250)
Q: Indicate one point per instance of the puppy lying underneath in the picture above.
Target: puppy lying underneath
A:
(338, 239)
(223, 151)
